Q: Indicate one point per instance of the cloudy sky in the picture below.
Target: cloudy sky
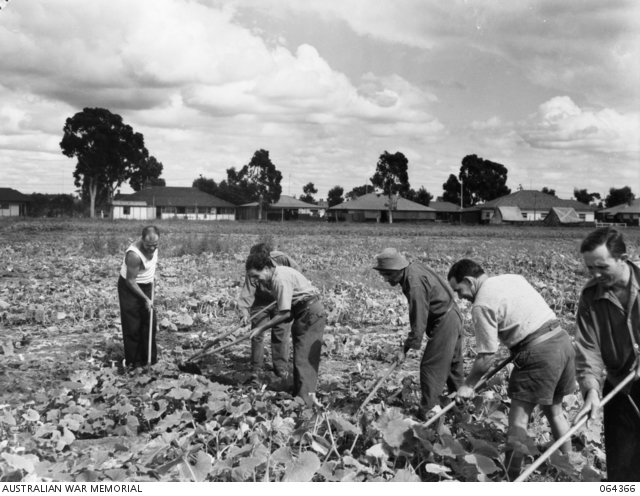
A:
(548, 88)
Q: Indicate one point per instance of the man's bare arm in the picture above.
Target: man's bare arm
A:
(132, 261)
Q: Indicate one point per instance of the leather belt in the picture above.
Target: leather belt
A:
(538, 340)
(303, 305)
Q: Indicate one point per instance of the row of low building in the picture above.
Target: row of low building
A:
(192, 204)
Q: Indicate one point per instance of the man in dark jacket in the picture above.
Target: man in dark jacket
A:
(432, 310)
(608, 338)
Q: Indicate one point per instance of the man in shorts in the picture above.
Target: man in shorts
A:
(508, 309)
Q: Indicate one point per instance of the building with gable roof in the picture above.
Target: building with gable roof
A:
(533, 205)
(374, 207)
(627, 213)
(13, 203)
(171, 202)
(286, 208)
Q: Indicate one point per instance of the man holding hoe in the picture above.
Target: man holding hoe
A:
(508, 309)
(135, 292)
(297, 302)
(253, 299)
(432, 310)
(608, 338)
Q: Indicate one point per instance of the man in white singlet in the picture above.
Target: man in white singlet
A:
(135, 295)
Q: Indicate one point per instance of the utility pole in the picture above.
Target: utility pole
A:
(461, 191)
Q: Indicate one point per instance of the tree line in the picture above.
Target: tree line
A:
(109, 153)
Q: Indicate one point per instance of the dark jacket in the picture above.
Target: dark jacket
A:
(607, 338)
(430, 299)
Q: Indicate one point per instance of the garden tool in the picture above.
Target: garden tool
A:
(571, 431)
(149, 358)
(377, 386)
(191, 368)
(478, 385)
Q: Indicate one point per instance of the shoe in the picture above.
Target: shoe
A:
(282, 373)
(255, 382)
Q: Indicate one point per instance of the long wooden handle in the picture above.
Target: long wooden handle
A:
(478, 385)
(571, 431)
(153, 287)
(217, 339)
(377, 386)
(227, 345)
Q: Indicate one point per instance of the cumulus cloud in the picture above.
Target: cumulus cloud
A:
(592, 47)
(204, 90)
(561, 124)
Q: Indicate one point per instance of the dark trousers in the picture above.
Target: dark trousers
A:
(134, 318)
(307, 332)
(279, 340)
(442, 361)
(622, 435)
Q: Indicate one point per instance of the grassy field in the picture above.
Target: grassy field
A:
(68, 409)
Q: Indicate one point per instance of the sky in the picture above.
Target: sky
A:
(548, 88)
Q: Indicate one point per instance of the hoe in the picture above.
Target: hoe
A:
(190, 367)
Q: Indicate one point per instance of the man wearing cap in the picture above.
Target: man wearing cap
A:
(507, 309)
(432, 310)
(608, 338)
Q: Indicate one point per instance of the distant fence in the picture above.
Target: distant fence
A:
(610, 224)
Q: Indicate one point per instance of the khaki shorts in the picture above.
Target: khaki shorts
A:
(544, 372)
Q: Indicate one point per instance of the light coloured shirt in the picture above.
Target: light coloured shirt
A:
(507, 309)
(250, 294)
(148, 270)
(289, 287)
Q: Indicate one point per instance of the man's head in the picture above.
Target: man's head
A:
(604, 253)
(150, 237)
(463, 278)
(391, 265)
(259, 267)
(260, 248)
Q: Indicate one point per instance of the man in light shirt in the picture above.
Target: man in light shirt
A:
(135, 295)
(509, 310)
(297, 301)
(253, 298)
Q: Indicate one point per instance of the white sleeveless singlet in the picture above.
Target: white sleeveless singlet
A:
(147, 273)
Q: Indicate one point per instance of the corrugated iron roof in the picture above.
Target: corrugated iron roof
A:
(510, 214)
(376, 201)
